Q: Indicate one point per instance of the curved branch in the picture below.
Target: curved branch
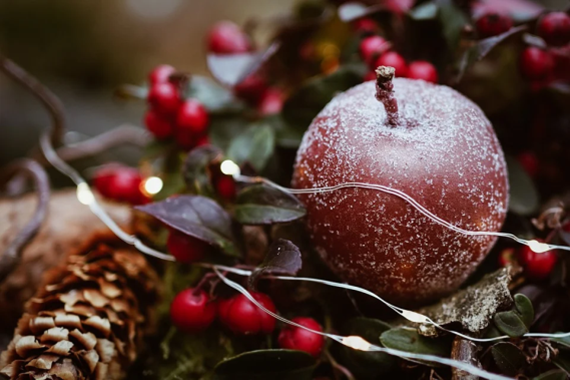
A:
(33, 169)
(123, 134)
(42, 93)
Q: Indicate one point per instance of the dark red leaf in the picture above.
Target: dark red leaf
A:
(283, 257)
(196, 216)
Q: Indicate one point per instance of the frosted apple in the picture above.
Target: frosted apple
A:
(426, 140)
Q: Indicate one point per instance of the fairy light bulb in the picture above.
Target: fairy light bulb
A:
(538, 247)
(84, 194)
(412, 316)
(152, 185)
(356, 342)
(228, 167)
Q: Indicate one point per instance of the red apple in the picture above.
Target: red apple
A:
(434, 145)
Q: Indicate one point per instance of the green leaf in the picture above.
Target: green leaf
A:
(196, 170)
(452, 20)
(213, 96)
(425, 11)
(508, 357)
(523, 197)
(302, 106)
(262, 204)
(287, 135)
(408, 340)
(366, 365)
(196, 216)
(555, 374)
(255, 145)
(562, 361)
(225, 127)
(267, 364)
(510, 323)
(525, 309)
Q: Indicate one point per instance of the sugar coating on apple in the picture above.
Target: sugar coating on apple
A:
(433, 144)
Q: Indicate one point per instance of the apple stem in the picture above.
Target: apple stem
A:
(385, 93)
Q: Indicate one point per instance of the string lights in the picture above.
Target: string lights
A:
(154, 184)
(230, 168)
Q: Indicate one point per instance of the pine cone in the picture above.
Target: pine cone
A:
(88, 318)
(67, 225)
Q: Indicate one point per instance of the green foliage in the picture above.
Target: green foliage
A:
(254, 145)
(408, 340)
(303, 105)
(523, 197)
(510, 323)
(262, 204)
(267, 364)
(196, 171)
(509, 358)
(555, 374)
(525, 309)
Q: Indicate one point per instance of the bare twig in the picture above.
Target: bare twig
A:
(465, 351)
(123, 134)
(31, 168)
(338, 367)
(44, 95)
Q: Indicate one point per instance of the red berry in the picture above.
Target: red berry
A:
(225, 37)
(271, 102)
(296, 338)
(493, 24)
(422, 70)
(554, 28)
(365, 25)
(185, 248)
(251, 88)
(243, 317)
(226, 187)
(537, 266)
(203, 140)
(164, 98)
(506, 257)
(371, 47)
(529, 162)
(536, 63)
(192, 117)
(371, 75)
(160, 74)
(120, 183)
(158, 125)
(191, 310)
(395, 60)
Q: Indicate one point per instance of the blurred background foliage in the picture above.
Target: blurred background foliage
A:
(84, 49)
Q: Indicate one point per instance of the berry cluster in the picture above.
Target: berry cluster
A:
(170, 115)
(376, 51)
(544, 65)
(121, 184)
(227, 38)
(192, 311)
